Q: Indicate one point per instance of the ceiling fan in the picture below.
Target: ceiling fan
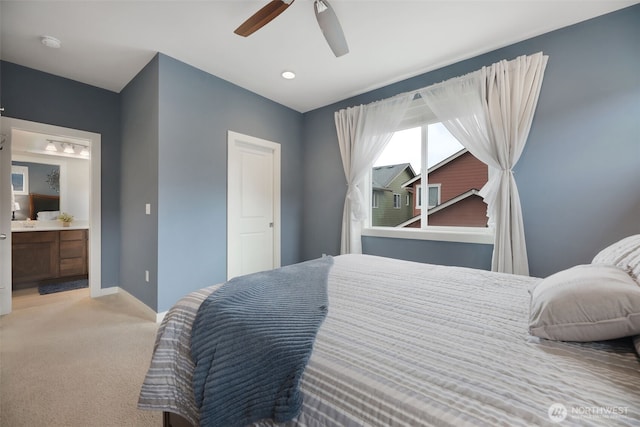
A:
(326, 17)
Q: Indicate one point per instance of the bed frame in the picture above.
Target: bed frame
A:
(169, 419)
(42, 202)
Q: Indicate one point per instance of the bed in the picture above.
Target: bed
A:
(43, 203)
(412, 344)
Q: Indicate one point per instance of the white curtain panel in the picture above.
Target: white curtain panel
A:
(363, 133)
(490, 112)
(512, 92)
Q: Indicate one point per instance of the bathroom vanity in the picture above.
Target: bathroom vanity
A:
(48, 253)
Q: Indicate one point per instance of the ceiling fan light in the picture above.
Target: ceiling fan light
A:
(51, 147)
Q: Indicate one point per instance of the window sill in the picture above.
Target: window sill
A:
(441, 234)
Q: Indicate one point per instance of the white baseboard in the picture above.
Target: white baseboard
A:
(156, 317)
(160, 316)
(148, 311)
(106, 291)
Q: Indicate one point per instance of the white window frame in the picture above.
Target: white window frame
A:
(439, 187)
(398, 197)
(481, 235)
(374, 204)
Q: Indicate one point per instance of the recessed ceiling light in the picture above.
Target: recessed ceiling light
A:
(288, 75)
(51, 42)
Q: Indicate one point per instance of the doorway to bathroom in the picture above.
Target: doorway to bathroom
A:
(37, 159)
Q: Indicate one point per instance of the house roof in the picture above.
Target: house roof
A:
(441, 206)
(437, 166)
(454, 200)
(382, 176)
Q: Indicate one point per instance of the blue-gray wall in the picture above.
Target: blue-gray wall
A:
(32, 95)
(578, 176)
(139, 169)
(175, 123)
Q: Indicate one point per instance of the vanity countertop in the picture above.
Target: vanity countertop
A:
(21, 226)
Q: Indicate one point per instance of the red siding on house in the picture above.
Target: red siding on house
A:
(454, 181)
(455, 178)
(469, 212)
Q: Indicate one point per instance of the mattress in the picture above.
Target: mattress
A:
(411, 344)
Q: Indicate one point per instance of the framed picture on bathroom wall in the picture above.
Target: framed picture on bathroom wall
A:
(20, 180)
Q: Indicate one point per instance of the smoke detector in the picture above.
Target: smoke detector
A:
(51, 42)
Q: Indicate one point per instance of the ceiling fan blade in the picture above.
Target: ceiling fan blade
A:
(330, 26)
(262, 17)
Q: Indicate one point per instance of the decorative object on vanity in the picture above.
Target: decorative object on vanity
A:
(65, 218)
(16, 207)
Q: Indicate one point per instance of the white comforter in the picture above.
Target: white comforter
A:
(417, 344)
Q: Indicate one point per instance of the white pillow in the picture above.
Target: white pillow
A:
(591, 302)
(47, 215)
(624, 254)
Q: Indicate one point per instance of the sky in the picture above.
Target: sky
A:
(404, 147)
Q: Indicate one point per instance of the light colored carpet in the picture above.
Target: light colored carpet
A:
(69, 360)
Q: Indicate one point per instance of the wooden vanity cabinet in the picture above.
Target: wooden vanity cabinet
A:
(35, 256)
(73, 253)
(45, 255)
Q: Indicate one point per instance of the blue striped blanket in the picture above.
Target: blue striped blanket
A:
(251, 342)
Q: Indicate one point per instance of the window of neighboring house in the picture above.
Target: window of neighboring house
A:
(396, 201)
(408, 200)
(450, 184)
(434, 195)
(374, 200)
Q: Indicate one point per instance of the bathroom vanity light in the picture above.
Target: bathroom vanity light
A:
(70, 149)
(51, 146)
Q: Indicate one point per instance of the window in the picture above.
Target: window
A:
(396, 201)
(434, 195)
(374, 200)
(450, 185)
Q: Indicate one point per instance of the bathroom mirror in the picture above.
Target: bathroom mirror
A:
(36, 188)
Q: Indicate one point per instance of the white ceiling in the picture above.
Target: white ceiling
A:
(106, 43)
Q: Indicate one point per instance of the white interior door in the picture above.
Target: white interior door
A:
(5, 220)
(253, 205)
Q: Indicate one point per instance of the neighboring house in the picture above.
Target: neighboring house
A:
(391, 203)
(453, 193)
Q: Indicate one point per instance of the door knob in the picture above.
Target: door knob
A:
(3, 236)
